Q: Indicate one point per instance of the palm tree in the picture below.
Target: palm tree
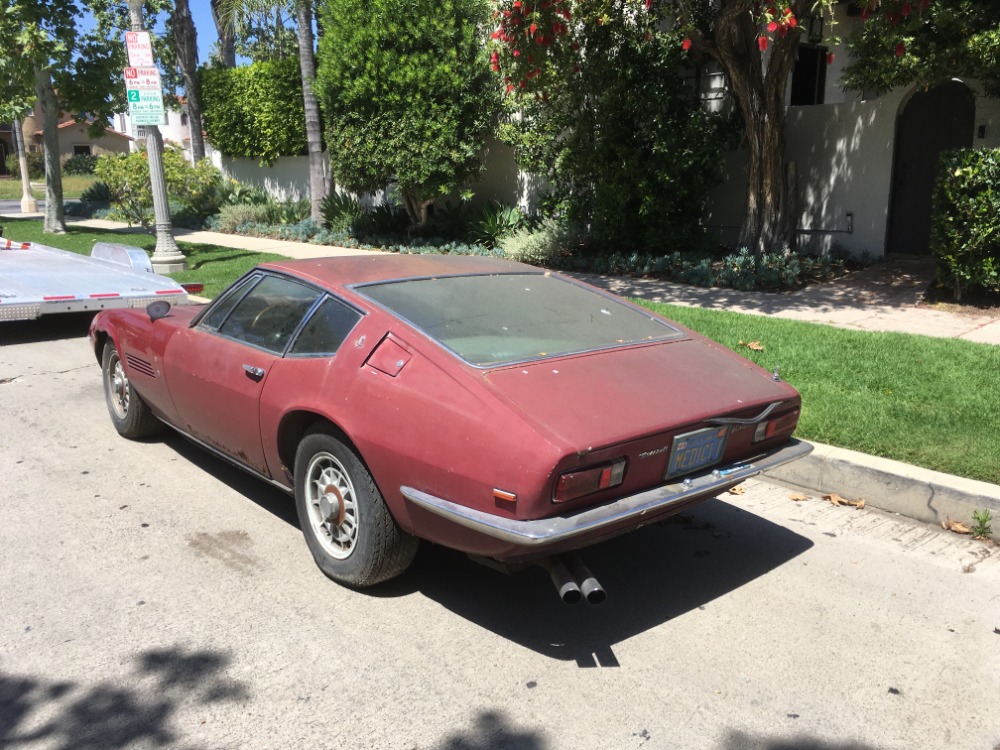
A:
(227, 12)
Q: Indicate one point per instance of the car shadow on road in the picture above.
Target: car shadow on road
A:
(651, 576)
(264, 495)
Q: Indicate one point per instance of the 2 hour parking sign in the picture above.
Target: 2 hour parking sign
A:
(145, 96)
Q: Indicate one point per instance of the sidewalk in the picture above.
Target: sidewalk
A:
(883, 297)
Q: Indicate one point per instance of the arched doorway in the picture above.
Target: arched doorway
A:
(931, 121)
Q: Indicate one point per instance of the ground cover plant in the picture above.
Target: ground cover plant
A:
(212, 265)
(925, 401)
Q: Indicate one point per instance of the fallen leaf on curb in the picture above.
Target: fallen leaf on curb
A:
(754, 345)
(836, 499)
(798, 497)
(737, 490)
(957, 526)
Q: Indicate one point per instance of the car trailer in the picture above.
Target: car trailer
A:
(38, 280)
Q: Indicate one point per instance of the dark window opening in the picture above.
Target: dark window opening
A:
(81, 150)
(809, 76)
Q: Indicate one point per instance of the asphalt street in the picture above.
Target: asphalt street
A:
(151, 596)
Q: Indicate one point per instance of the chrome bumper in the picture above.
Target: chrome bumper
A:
(652, 502)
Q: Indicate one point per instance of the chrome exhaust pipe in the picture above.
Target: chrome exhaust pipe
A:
(590, 588)
(562, 579)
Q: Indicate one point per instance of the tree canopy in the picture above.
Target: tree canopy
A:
(904, 43)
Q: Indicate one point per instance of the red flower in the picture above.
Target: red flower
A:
(686, 45)
(900, 49)
(648, 4)
(773, 26)
(792, 22)
(829, 59)
(762, 43)
(865, 13)
(533, 28)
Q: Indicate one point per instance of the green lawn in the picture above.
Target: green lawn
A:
(926, 401)
(214, 266)
(73, 185)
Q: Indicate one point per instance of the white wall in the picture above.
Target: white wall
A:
(288, 177)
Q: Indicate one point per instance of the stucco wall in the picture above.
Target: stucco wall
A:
(288, 177)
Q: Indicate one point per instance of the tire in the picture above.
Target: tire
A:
(129, 413)
(347, 526)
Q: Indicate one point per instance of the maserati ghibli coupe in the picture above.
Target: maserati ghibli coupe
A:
(502, 410)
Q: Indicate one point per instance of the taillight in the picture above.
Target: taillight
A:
(784, 424)
(193, 287)
(580, 482)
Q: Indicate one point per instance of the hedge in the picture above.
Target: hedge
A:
(255, 111)
(965, 229)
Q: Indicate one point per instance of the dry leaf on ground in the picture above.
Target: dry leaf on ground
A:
(754, 345)
(798, 497)
(957, 526)
(836, 499)
(737, 490)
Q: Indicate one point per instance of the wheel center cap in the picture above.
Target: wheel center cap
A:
(332, 506)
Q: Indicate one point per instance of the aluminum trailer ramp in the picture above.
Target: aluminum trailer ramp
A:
(40, 280)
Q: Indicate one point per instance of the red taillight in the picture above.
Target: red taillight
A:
(193, 287)
(780, 426)
(580, 482)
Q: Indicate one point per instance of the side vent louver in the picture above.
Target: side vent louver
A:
(140, 365)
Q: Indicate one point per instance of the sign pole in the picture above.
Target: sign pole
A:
(167, 257)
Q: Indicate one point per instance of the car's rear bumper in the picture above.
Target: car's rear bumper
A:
(614, 517)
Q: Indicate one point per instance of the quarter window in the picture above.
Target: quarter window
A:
(326, 329)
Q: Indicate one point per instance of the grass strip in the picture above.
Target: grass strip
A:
(926, 401)
(212, 265)
(73, 186)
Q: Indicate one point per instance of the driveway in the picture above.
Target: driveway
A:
(152, 596)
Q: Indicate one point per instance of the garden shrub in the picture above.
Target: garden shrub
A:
(81, 164)
(36, 165)
(193, 188)
(98, 193)
(494, 222)
(543, 245)
(621, 141)
(965, 221)
(255, 111)
(235, 215)
(407, 96)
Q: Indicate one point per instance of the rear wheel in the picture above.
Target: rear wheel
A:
(347, 526)
(129, 413)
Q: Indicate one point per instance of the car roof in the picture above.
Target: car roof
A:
(350, 270)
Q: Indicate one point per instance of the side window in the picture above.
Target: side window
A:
(218, 314)
(270, 312)
(326, 329)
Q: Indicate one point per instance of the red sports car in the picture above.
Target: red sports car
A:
(492, 407)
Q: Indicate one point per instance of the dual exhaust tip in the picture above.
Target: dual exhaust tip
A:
(573, 580)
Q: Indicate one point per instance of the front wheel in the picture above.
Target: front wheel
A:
(129, 413)
(347, 526)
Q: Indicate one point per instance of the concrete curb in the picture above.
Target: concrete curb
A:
(922, 494)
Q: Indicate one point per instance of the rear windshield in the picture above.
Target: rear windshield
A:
(490, 320)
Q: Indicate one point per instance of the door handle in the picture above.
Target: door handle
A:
(254, 372)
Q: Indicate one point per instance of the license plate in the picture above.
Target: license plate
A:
(696, 450)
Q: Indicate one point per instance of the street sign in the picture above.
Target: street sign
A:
(145, 95)
(140, 49)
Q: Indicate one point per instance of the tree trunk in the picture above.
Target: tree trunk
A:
(227, 38)
(314, 131)
(770, 221)
(186, 43)
(54, 221)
